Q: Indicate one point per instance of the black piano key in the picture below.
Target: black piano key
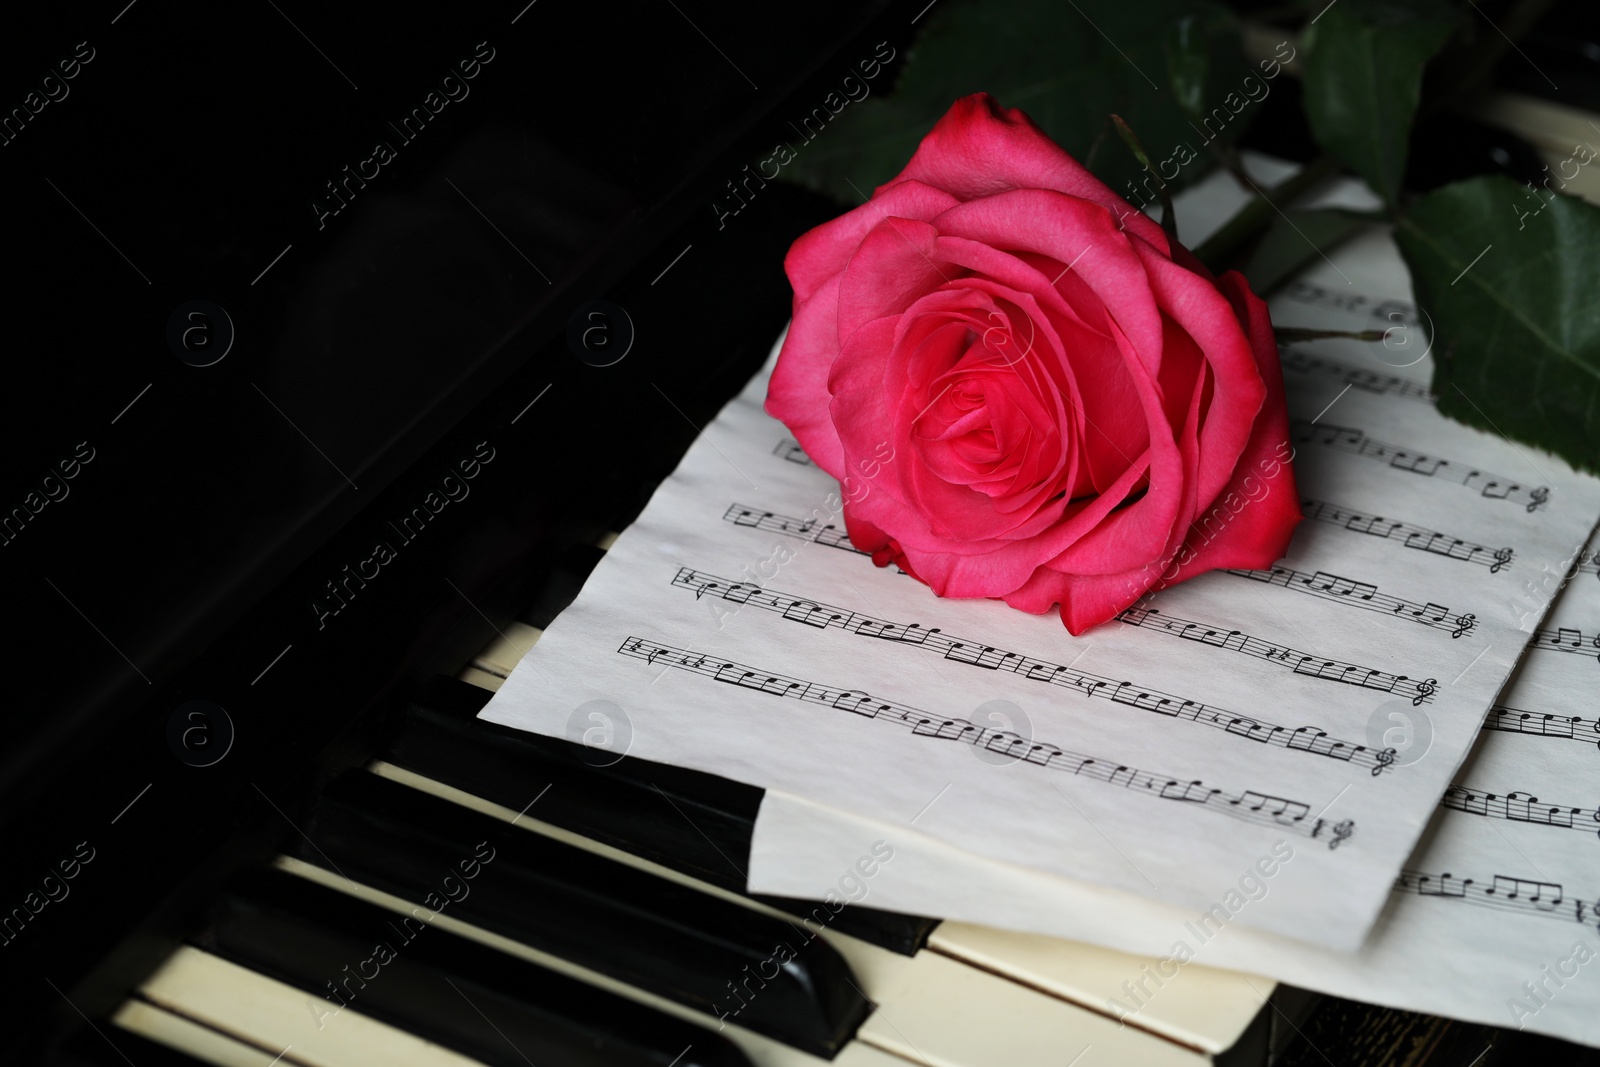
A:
(562, 585)
(696, 823)
(448, 989)
(670, 939)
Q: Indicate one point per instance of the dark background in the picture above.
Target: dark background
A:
(373, 350)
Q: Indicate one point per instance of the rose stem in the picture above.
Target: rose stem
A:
(1290, 334)
(1256, 215)
(1169, 220)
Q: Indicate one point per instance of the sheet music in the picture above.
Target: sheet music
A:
(1495, 917)
(736, 631)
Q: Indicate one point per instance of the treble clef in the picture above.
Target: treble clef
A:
(1596, 643)
(1341, 830)
(1464, 624)
(1385, 761)
(1502, 556)
(1425, 689)
(1537, 497)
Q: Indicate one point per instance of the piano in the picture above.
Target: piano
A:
(346, 339)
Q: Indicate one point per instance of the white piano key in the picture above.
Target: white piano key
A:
(271, 1014)
(481, 678)
(187, 1036)
(937, 1010)
(1199, 1006)
(501, 655)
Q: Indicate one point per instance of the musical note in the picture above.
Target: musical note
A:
(1411, 536)
(1545, 895)
(790, 449)
(1355, 441)
(1503, 892)
(1278, 806)
(1293, 359)
(829, 535)
(1518, 807)
(1364, 595)
(1155, 621)
(1565, 727)
(1248, 805)
(1125, 692)
(1317, 296)
(1445, 886)
(1567, 639)
(1331, 587)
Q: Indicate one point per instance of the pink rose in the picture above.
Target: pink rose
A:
(1026, 390)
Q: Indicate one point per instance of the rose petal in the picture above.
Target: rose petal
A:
(1238, 390)
(822, 252)
(797, 394)
(980, 148)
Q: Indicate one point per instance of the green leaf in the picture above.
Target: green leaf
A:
(1511, 290)
(1293, 241)
(1068, 65)
(1363, 78)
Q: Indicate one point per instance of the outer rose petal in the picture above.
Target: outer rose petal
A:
(1214, 323)
(1255, 523)
(980, 148)
(797, 394)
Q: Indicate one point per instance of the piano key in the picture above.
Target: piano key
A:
(938, 1010)
(566, 578)
(931, 1010)
(762, 1051)
(927, 1006)
(105, 1045)
(635, 926)
(481, 678)
(347, 954)
(267, 1012)
(1208, 1009)
(440, 736)
(697, 823)
(509, 646)
(197, 1043)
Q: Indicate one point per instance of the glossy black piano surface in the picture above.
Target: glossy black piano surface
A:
(397, 212)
